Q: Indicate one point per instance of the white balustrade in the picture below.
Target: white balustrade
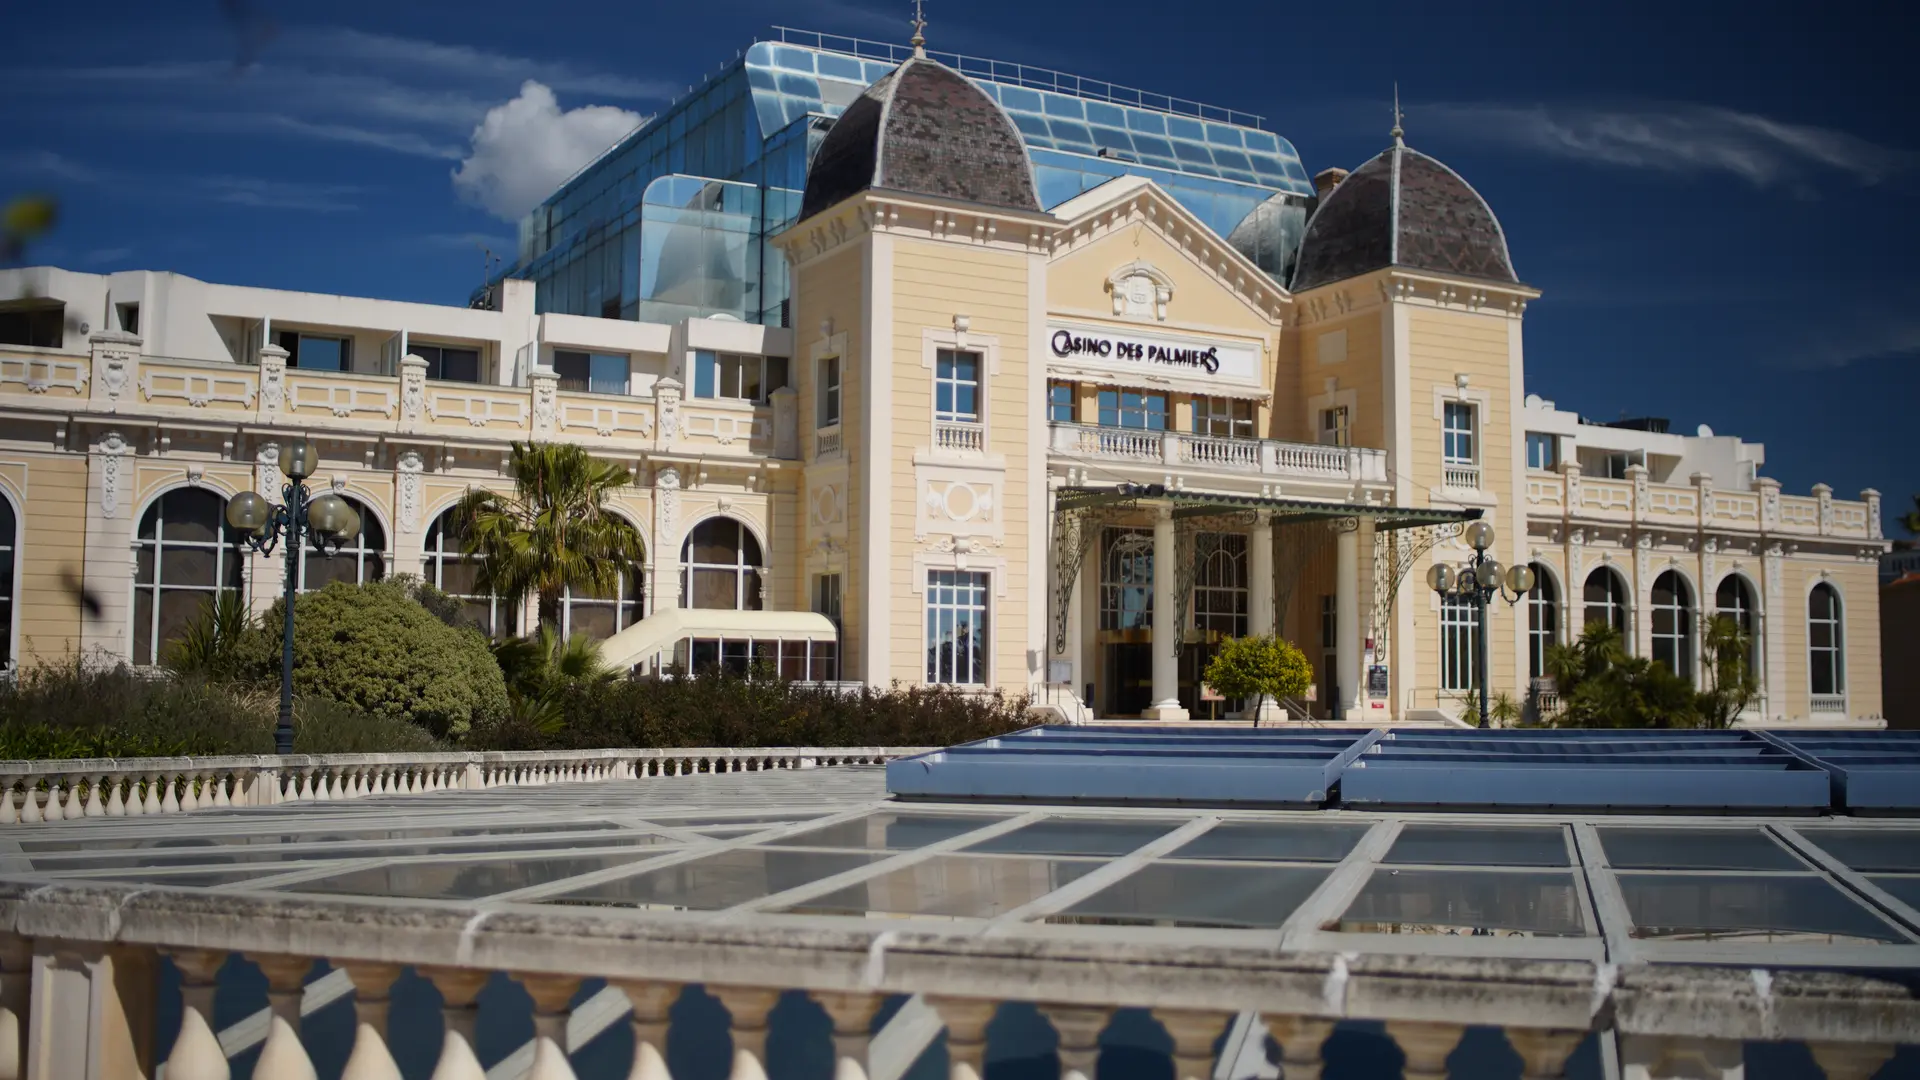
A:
(827, 442)
(959, 437)
(1216, 452)
(1828, 704)
(1460, 476)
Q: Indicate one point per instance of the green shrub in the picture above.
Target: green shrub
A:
(374, 648)
(1249, 666)
(321, 726)
(78, 710)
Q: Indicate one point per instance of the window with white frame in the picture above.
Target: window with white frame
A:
(361, 559)
(1459, 627)
(1825, 662)
(1060, 404)
(957, 627)
(1605, 594)
(1543, 621)
(1458, 433)
(1672, 614)
(184, 558)
(1335, 426)
(828, 391)
(956, 386)
(9, 551)
(826, 596)
(451, 363)
(1126, 580)
(1543, 451)
(451, 570)
(720, 567)
(1133, 409)
(725, 376)
(1733, 600)
(1220, 585)
(602, 613)
(1224, 417)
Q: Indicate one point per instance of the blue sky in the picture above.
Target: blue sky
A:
(1717, 200)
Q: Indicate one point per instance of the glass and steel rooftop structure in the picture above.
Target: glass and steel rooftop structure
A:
(672, 221)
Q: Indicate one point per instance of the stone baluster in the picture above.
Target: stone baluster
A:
(966, 1020)
(96, 804)
(1543, 1054)
(282, 1057)
(370, 1059)
(196, 1053)
(221, 798)
(1665, 1057)
(286, 984)
(1194, 1034)
(1850, 1061)
(652, 1007)
(189, 797)
(9, 814)
(1079, 1027)
(16, 977)
(152, 804)
(1426, 1046)
(117, 806)
(1299, 1039)
(169, 798)
(852, 1015)
(748, 1006)
(552, 997)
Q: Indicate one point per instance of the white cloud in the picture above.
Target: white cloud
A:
(526, 147)
(1677, 138)
(279, 194)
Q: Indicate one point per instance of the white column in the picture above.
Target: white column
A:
(1261, 618)
(1346, 608)
(1166, 630)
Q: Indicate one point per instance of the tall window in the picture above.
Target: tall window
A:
(450, 362)
(1606, 600)
(738, 378)
(1060, 402)
(186, 555)
(361, 559)
(1335, 426)
(1129, 409)
(829, 392)
(956, 627)
(1220, 587)
(720, 567)
(1458, 433)
(452, 571)
(1329, 620)
(826, 596)
(1543, 451)
(1824, 660)
(1126, 580)
(1225, 417)
(1543, 621)
(600, 614)
(1734, 600)
(1459, 625)
(9, 551)
(1673, 624)
(593, 373)
(956, 386)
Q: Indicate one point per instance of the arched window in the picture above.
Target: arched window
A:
(1220, 586)
(1606, 599)
(602, 615)
(452, 571)
(1126, 580)
(360, 559)
(1734, 600)
(1824, 660)
(720, 567)
(1543, 620)
(9, 552)
(1673, 624)
(1459, 625)
(185, 556)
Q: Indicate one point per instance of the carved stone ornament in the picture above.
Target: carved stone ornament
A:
(407, 469)
(112, 448)
(546, 401)
(413, 389)
(267, 468)
(666, 485)
(667, 393)
(1140, 290)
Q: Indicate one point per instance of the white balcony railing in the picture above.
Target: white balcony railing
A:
(1219, 452)
(959, 437)
(1463, 477)
(1828, 705)
(827, 442)
(1262, 457)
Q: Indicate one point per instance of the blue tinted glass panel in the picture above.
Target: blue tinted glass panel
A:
(1192, 153)
(842, 67)
(1182, 128)
(801, 86)
(793, 59)
(1061, 105)
(876, 71)
(1232, 159)
(1056, 185)
(1151, 144)
(1099, 112)
(1113, 139)
(704, 365)
(1069, 132)
(1222, 135)
(1021, 99)
(1262, 140)
(1032, 127)
(1146, 121)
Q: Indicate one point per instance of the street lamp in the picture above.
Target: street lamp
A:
(1478, 581)
(328, 523)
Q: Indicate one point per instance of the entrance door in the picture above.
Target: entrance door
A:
(1129, 679)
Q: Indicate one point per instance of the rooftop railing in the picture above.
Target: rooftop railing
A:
(1699, 504)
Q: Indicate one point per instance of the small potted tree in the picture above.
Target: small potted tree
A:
(1261, 669)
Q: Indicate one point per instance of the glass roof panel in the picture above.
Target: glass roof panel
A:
(1466, 902)
(1174, 894)
(889, 830)
(1481, 845)
(229, 854)
(1635, 848)
(197, 879)
(1283, 841)
(1076, 836)
(1868, 850)
(1906, 889)
(955, 886)
(1747, 907)
(463, 880)
(277, 832)
(720, 880)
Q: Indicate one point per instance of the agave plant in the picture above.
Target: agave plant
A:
(209, 644)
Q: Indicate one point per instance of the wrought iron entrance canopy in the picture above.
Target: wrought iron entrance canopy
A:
(1288, 511)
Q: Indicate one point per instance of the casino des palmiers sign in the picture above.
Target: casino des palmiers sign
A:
(1202, 363)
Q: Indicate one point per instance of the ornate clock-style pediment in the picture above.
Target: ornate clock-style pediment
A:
(1141, 290)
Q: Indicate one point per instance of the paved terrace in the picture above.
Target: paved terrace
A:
(807, 924)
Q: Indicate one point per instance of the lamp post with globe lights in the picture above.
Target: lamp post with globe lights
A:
(1478, 581)
(327, 522)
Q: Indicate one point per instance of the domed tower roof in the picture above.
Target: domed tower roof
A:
(927, 129)
(1405, 209)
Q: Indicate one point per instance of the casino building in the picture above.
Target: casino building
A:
(937, 370)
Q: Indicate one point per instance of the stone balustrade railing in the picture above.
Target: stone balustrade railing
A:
(1700, 505)
(78, 966)
(39, 791)
(1266, 457)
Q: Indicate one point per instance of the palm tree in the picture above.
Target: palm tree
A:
(555, 531)
(1910, 520)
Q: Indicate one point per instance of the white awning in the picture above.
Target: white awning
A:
(664, 629)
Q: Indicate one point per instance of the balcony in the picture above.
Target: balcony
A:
(959, 437)
(1213, 453)
(1828, 705)
(827, 442)
(1461, 476)
(1761, 508)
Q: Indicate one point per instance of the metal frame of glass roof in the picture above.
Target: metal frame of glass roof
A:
(1206, 504)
